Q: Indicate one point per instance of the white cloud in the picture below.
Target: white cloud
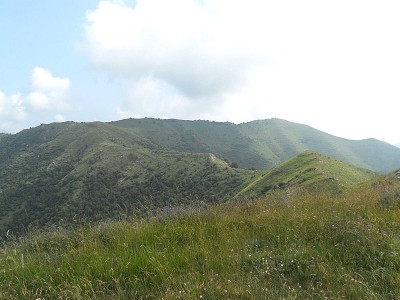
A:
(12, 111)
(59, 118)
(123, 114)
(177, 42)
(48, 95)
(332, 65)
(11, 107)
(48, 92)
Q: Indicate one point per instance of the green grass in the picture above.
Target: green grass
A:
(291, 245)
(308, 170)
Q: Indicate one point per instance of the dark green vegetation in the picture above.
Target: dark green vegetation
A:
(3, 135)
(311, 170)
(70, 173)
(66, 173)
(288, 245)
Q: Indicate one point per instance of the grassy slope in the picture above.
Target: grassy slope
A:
(292, 246)
(310, 170)
(264, 143)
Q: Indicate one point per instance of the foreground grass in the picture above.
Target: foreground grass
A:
(292, 245)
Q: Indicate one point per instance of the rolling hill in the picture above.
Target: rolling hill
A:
(308, 170)
(72, 172)
(69, 172)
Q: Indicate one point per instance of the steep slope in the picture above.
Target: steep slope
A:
(72, 172)
(262, 144)
(308, 170)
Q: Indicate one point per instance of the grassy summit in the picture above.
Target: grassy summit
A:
(308, 170)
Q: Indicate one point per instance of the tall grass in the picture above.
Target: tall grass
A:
(293, 245)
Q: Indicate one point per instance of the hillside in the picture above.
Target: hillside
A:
(100, 211)
(288, 139)
(262, 144)
(222, 139)
(309, 170)
(70, 172)
(65, 173)
(286, 246)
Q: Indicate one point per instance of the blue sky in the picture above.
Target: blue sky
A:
(39, 35)
(47, 36)
(331, 65)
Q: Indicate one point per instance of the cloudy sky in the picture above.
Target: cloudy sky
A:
(333, 65)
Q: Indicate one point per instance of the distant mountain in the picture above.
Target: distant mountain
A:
(308, 170)
(262, 144)
(77, 172)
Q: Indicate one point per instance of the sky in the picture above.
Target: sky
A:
(333, 65)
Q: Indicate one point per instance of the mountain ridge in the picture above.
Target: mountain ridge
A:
(263, 144)
(64, 172)
(77, 172)
(308, 170)
(256, 144)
